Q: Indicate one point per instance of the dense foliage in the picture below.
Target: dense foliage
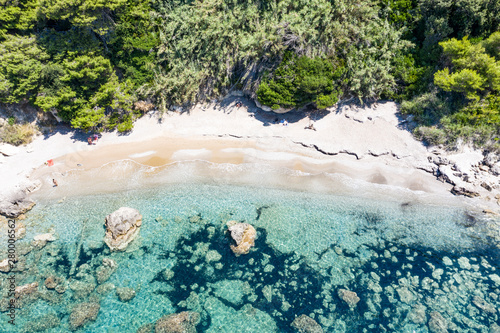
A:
(79, 59)
(300, 81)
(97, 64)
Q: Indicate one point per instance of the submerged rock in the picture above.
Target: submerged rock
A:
(15, 204)
(350, 297)
(105, 271)
(148, 328)
(83, 313)
(125, 294)
(437, 324)
(82, 289)
(4, 265)
(48, 237)
(494, 328)
(244, 235)
(26, 294)
(305, 324)
(483, 305)
(19, 228)
(184, 322)
(52, 282)
(42, 324)
(417, 314)
(122, 227)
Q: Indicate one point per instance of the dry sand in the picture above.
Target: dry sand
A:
(366, 145)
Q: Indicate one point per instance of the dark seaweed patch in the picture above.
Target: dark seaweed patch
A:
(303, 298)
(259, 211)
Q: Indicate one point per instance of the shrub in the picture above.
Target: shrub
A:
(299, 81)
(431, 135)
(17, 134)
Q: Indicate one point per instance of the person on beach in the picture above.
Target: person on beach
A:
(89, 140)
(54, 182)
(95, 138)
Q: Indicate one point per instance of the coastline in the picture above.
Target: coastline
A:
(367, 145)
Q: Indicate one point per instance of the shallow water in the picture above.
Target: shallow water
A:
(404, 260)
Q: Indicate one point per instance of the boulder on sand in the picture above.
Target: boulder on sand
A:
(183, 322)
(244, 236)
(122, 227)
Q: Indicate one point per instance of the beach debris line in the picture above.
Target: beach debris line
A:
(244, 235)
(122, 227)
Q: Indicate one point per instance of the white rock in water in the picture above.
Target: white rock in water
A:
(464, 263)
(447, 261)
(122, 227)
(4, 265)
(495, 278)
(405, 295)
(437, 274)
(45, 237)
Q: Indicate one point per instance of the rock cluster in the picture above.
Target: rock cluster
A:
(470, 172)
(122, 227)
(183, 322)
(244, 236)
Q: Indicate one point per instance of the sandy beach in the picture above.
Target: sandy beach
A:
(367, 144)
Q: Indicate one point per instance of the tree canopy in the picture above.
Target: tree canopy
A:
(94, 62)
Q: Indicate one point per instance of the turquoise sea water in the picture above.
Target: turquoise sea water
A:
(404, 260)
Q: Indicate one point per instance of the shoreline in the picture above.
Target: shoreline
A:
(366, 145)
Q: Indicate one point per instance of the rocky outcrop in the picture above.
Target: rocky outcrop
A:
(15, 204)
(244, 235)
(122, 227)
(465, 190)
(437, 324)
(305, 324)
(470, 172)
(184, 322)
(83, 313)
(350, 297)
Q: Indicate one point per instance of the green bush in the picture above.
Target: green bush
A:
(16, 134)
(431, 135)
(299, 81)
